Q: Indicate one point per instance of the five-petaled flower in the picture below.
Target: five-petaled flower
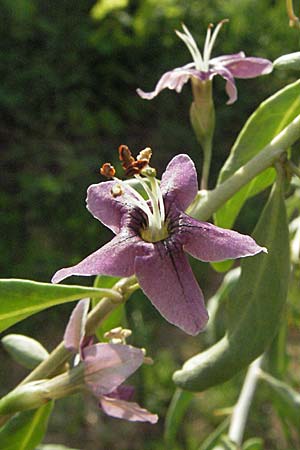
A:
(106, 366)
(204, 67)
(152, 237)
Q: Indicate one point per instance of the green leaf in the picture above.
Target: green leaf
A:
(22, 298)
(24, 350)
(276, 356)
(253, 444)
(211, 441)
(54, 447)
(288, 398)
(104, 7)
(255, 308)
(266, 122)
(117, 316)
(26, 429)
(225, 444)
(216, 306)
(178, 406)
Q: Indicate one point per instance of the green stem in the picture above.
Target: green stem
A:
(242, 407)
(207, 150)
(208, 202)
(293, 168)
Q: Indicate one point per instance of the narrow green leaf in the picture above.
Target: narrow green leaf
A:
(117, 317)
(288, 398)
(54, 447)
(255, 307)
(225, 444)
(253, 444)
(266, 122)
(177, 408)
(26, 429)
(212, 440)
(24, 350)
(22, 298)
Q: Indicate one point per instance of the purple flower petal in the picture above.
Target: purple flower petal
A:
(230, 86)
(210, 243)
(106, 366)
(123, 392)
(105, 207)
(126, 410)
(75, 330)
(179, 182)
(249, 67)
(167, 279)
(174, 79)
(224, 58)
(116, 258)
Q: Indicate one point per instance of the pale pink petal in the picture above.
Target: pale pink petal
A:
(116, 258)
(174, 79)
(224, 58)
(106, 366)
(230, 87)
(75, 330)
(249, 67)
(168, 281)
(106, 207)
(126, 410)
(179, 182)
(210, 243)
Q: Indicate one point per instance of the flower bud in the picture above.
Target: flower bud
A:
(287, 62)
(37, 393)
(24, 350)
(202, 112)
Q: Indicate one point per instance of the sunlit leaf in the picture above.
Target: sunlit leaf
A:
(104, 7)
(266, 122)
(22, 298)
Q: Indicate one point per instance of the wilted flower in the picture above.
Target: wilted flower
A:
(152, 237)
(204, 67)
(106, 367)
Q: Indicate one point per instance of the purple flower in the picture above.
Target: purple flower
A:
(152, 238)
(106, 366)
(205, 68)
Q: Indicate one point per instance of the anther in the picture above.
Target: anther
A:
(107, 170)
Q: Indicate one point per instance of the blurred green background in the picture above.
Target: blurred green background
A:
(68, 71)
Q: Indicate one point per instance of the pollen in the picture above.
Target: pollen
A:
(107, 170)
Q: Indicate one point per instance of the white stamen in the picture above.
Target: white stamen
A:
(212, 42)
(160, 201)
(206, 47)
(137, 200)
(201, 62)
(189, 41)
(152, 206)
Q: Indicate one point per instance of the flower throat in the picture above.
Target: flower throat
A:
(156, 228)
